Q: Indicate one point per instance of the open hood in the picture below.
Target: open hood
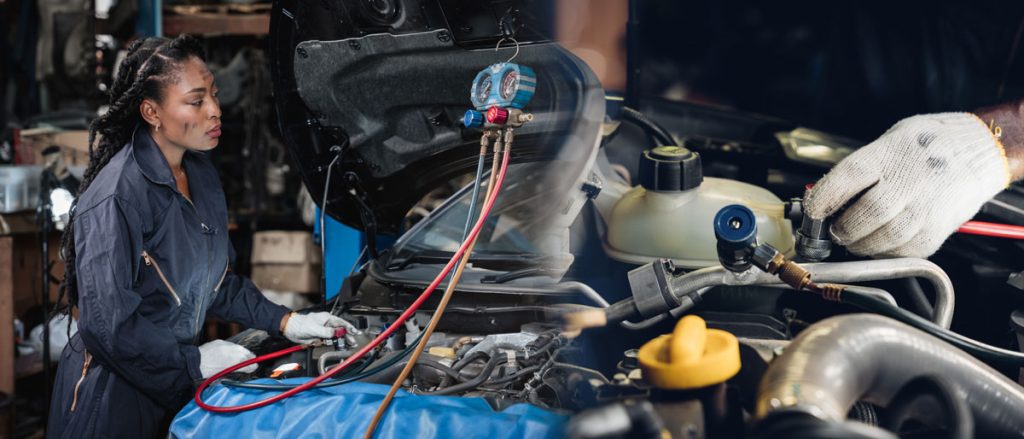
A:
(382, 85)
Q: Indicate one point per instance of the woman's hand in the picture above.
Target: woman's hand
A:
(218, 355)
(911, 188)
(307, 328)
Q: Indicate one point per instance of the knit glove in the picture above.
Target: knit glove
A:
(218, 355)
(307, 328)
(919, 182)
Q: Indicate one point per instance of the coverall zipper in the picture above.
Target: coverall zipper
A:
(152, 262)
(85, 368)
(222, 276)
(209, 253)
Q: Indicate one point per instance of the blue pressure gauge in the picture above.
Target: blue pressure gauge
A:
(506, 85)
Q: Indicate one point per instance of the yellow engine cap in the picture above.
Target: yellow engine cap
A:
(691, 357)
(442, 351)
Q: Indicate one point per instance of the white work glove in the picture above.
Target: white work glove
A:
(920, 181)
(307, 328)
(218, 355)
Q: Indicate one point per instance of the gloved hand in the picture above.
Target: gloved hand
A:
(307, 328)
(920, 181)
(218, 355)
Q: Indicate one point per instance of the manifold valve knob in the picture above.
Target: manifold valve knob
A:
(473, 119)
(497, 115)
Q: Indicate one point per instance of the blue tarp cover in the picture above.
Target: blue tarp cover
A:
(345, 411)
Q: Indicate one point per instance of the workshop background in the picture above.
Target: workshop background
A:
(57, 59)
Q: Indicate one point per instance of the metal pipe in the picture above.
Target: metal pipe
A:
(877, 293)
(838, 361)
(836, 272)
(321, 363)
(591, 293)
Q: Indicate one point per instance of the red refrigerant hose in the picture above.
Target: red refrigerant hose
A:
(992, 229)
(372, 344)
(980, 228)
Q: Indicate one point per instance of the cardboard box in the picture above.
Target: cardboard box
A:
(284, 247)
(295, 278)
(74, 145)
(290, 300)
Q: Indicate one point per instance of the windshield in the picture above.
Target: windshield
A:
(517, 227)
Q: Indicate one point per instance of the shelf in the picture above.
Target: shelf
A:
(216, 20)
(216, 25)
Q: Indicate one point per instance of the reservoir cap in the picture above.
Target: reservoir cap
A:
(670, 168)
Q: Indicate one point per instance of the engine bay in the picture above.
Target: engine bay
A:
(646, 272)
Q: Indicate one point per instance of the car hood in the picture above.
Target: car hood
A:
(386, 102)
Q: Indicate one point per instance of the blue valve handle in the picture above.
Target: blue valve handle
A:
(735, 224)
(736, 231)
(473, 119)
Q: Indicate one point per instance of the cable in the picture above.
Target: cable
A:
(439, 311)
(476, 191)
(323, 232)
(660, 134)
(996, 230)
(369, 346)
(470, 215)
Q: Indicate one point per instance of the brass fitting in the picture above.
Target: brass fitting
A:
(772, 261)
(516, 117)
(794, 275)
(830, 292)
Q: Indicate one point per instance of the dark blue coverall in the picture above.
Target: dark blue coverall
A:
(151, 264)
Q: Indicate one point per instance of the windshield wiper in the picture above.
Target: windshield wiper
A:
(502, 261)
(518, 274)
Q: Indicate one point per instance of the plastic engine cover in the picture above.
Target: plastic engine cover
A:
(345, 411)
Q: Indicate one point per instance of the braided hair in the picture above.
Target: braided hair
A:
(150, 65)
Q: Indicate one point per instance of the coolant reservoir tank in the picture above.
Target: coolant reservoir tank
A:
(670, 214)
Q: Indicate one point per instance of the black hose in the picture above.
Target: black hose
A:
(352, 376)
(987, 353)
(461, 364)
(448, 371)
(801, 425)
(659, 133)
(624, 309)
(929, 405)
(513, 376)
(465, 361)
(476, 381)
(918, 301)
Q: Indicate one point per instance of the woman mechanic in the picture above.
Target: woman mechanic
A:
(148, 255)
